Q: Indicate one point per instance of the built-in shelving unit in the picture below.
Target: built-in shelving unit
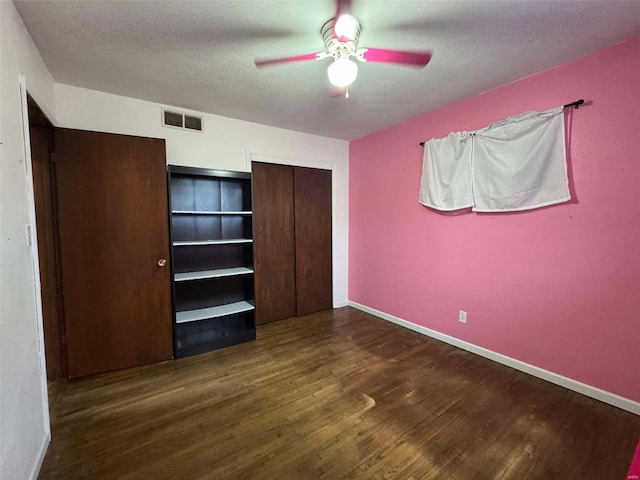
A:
(212, 259)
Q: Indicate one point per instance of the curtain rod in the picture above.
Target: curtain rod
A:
(576, 104)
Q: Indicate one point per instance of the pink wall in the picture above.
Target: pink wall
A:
(559, 287)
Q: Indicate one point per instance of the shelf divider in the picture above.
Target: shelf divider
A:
(187, 316)
(210, 212)
(212, 242)
(217, 273)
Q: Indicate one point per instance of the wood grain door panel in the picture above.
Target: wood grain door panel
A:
(112, 201)
(274, 244)
(312, 192)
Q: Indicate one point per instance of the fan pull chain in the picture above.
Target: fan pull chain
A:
(347, 92)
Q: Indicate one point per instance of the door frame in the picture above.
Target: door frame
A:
(52, 268)
(35, 259)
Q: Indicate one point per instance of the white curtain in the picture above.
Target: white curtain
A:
(516, 164)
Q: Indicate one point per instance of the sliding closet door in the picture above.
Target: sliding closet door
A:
(112, 210)
(273, 233)
(312, 193)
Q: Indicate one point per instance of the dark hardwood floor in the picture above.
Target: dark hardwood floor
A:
(336, 394)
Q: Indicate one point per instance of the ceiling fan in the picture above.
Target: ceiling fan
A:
(340, 35)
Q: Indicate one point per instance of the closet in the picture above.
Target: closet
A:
(292, 235)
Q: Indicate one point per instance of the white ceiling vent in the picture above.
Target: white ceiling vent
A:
(181, 120)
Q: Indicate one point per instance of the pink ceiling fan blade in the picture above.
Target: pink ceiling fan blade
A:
(381, 55)
(296, 58)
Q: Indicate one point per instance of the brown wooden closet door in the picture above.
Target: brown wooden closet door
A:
(313, 239)
(112, 201)
(273, 233)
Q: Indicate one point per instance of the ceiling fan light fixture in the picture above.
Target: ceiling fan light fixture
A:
(346, 27)
(342, 72)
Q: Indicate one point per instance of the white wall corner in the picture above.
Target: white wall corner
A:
(25, 437)
(42, 452)
(574, 385)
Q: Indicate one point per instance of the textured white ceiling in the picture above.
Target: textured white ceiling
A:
(199, 55)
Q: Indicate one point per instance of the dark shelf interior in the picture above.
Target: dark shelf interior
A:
(195, 258)
(199, 337)
(206, 193)
(210, 227)
(212, 292)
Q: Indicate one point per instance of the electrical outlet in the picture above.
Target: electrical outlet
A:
(462, 316)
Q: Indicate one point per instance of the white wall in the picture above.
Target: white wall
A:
(24, 420)
(226, 144)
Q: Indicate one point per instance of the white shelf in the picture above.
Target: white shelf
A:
(213, 312)
(221, 272)
(209, 212)
(212, 242)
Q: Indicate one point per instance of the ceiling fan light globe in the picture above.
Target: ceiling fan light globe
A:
(342, 72)
(346, 27)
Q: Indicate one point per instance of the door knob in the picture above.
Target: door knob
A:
(162, 262)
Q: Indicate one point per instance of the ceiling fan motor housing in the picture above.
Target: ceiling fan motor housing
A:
(334, 46)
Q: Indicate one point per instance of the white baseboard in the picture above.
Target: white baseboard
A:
(340, 304)
(42, 451)
(576, 386)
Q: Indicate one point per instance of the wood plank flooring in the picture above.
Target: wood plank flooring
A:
(336, 394)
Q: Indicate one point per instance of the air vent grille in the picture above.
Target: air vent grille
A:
(193, 123)
(172, 119)
(181, 120)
